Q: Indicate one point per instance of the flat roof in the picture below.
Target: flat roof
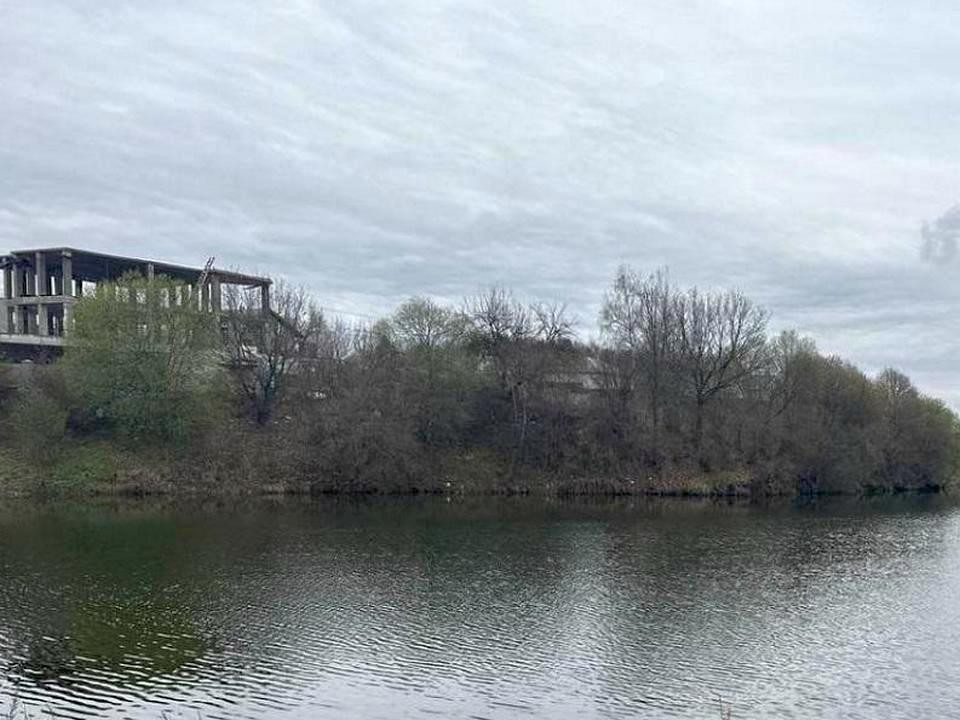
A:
(126, 263)
(44, 340)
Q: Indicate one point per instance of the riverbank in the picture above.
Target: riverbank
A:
(259, 464)
(489, 402)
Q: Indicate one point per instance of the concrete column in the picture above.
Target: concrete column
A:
(8, 282)
(265, 299)
(4, 317)
(43, 288)
(31, 276)
(43, 319)
(67, 316)
(66, 287)
(16, 287)
(215, 295)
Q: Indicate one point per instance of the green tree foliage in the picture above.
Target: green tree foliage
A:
(420, 324)
(142, 360)
(6, 385)
(438, 373)
(41, 421)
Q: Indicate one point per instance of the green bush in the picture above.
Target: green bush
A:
(6, 389)
(38, 425)
(142, 366)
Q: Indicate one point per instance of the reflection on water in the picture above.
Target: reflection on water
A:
(488, 609)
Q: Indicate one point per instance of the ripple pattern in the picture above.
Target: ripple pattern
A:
(409, 609)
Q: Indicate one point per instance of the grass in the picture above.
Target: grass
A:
(81, 466)
(16, 475)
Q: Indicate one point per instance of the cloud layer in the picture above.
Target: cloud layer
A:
(374, 149)
(940, 238)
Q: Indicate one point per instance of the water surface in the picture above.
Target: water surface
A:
(481, 609)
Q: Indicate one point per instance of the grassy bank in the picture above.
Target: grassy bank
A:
(252, 463)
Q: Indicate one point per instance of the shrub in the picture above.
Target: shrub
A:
(142, 365)
(38, 424)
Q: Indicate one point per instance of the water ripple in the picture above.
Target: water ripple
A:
(410, 610)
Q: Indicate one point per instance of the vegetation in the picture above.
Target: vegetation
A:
(265, 352)
(141, 362)
(685, 392)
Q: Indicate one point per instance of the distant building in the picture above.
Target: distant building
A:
(40, 288)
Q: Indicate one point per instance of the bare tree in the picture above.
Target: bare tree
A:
(498, 326)
(520, 342)
(265, 349)
(333, 346)
(722, 341)
(789, 352)
(554, 324)
(639, 317)
(423, 324)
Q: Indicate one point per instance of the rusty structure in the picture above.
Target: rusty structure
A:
(40, 288)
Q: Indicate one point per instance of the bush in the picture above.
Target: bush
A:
(143, 370)
(6, 386)
(38, 425)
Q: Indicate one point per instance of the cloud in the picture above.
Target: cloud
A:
(941, 237)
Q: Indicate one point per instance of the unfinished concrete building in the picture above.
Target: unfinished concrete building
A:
(41, 286)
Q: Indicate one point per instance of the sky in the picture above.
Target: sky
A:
(806, 153)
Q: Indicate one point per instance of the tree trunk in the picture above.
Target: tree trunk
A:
(698, 432)
(655, 413)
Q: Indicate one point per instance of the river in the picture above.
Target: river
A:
(481, 609)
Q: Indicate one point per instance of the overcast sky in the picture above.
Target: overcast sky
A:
(371, 150)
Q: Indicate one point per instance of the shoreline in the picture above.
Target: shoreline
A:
(123, 475)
